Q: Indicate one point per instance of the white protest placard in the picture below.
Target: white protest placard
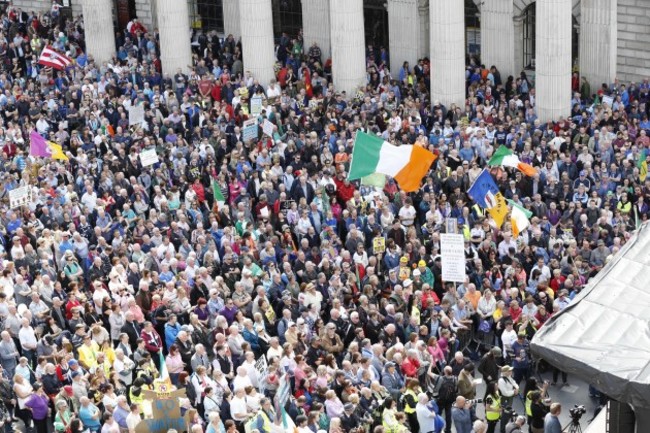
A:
(609, 101)
(284, 390)
(148, 157)
(452, 257)
(256, 105)
(20, 196)
(136, 115)
(267, 127)
(262, 369)
(249, 132)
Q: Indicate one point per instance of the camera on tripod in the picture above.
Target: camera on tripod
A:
(577, 411)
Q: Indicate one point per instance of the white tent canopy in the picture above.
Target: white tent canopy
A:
(604, 335)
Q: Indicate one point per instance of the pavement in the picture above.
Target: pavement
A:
(576, 392)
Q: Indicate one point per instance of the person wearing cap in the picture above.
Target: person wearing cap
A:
(425, 273)
(508, 388)
(67, 394)
(88, 352)
(392, 381)
(404, 270)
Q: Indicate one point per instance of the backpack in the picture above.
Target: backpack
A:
(448, 391)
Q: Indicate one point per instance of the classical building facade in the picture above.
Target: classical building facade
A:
(603, 39)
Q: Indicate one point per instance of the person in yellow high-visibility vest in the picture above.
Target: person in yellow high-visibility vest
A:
(493, 408)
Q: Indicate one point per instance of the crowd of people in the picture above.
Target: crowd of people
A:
(225, 251)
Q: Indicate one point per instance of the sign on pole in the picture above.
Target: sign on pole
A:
(378, 245)
(282, 395)
(20, 196)
(609, 101)
(451, 225)
(148, 157)
(256, 105)
(136, 115)
(452, 257)
(262, 371)
(267, 127)
(249, 132)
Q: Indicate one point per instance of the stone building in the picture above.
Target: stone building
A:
(550, 39)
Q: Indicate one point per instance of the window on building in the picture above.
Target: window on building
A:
(375, 16)
(472, 30)
(287, 17)
(206, 14)
(529, 36)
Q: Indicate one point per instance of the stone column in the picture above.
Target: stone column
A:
(553, 59)
(231, 18)
(447, 43)
(598, 45)
(174, 27)
(404, 32)
(498, 36)
(518, 24)
(348, 45)
(316, 26)
(100, 34)
(256, 21)
(423, 15)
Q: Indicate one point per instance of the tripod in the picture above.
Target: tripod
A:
(573, 427)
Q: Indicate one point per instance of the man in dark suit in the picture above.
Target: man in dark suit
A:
(132, 329)
(301, 189)
(58, 313)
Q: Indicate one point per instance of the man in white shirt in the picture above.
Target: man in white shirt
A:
(508, 338)
(507, 386)
(238, 409)
(426, 416)
(407, 213)
(28, 341)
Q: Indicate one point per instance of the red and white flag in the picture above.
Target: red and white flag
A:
(51, 58)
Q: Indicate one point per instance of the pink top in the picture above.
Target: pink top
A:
(174, 363)
(436, 353)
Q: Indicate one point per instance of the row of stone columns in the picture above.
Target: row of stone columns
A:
(337, 26)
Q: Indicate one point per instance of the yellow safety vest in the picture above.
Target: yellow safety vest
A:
(493, 414)
(136, 399)
(529, 404)
(266, 420)
(408, 409)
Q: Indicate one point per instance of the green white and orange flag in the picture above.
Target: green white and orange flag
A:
(519, 218)
(407, 164)
(218, 195)
(504, 157)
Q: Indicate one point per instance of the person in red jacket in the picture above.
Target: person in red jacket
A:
(136, 26)
(411, 364)
(344, 189)
(152, 341)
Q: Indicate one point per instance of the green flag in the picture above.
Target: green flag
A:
(218, 195)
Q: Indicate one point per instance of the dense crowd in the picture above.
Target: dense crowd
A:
(224, 252)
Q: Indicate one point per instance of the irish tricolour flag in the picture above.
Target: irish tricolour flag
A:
(504, 157)
(407, 164)
(519, 218)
